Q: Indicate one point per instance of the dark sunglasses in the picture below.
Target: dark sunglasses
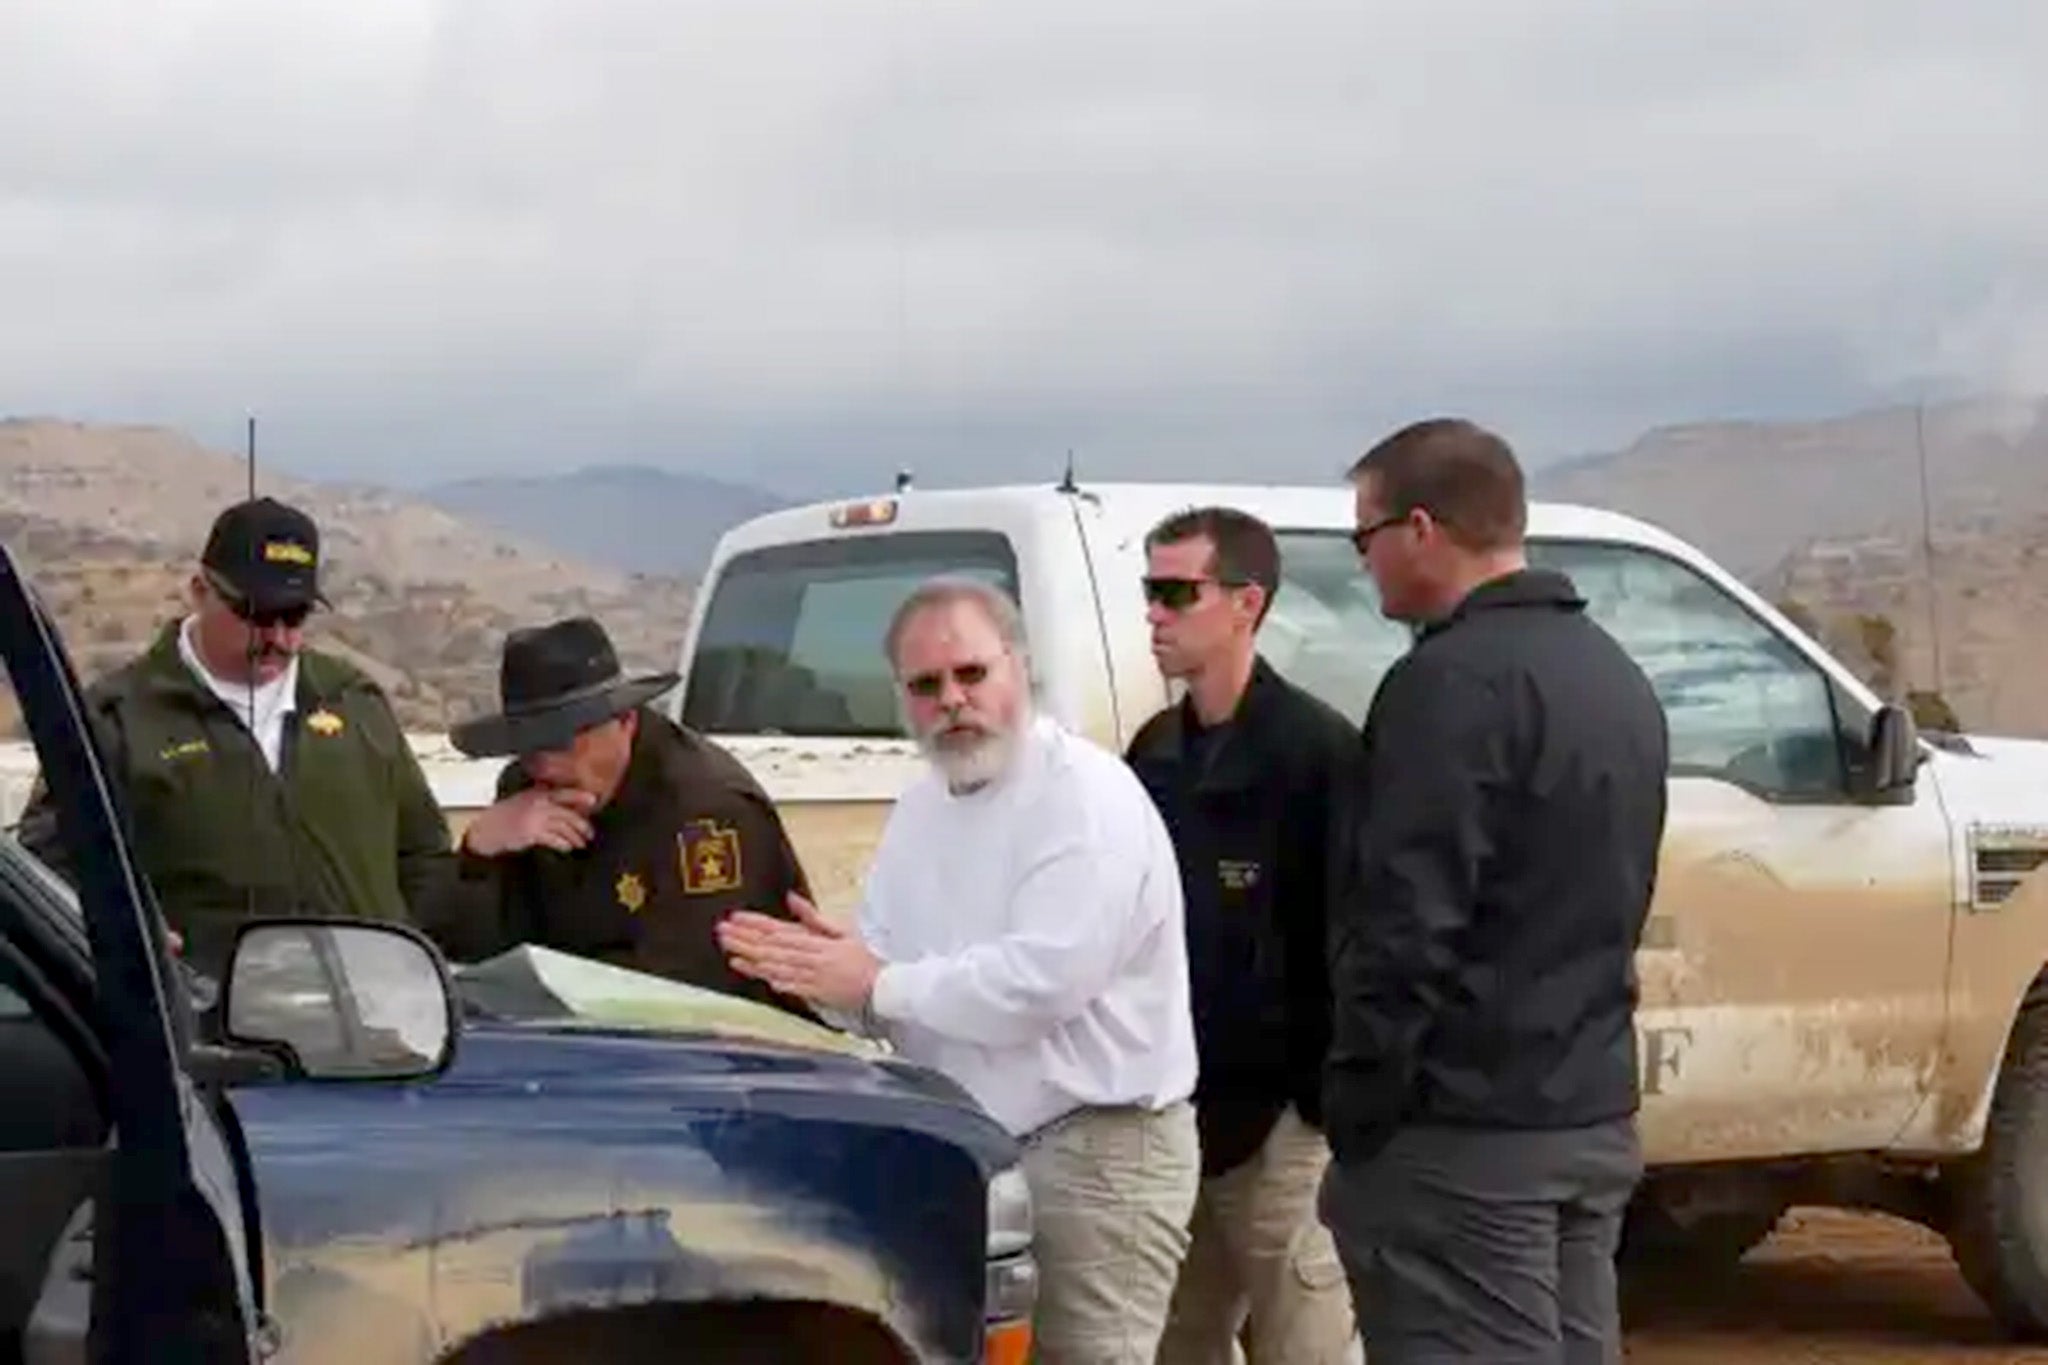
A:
(1362, 537)
(929, 685)
(289, 617)
(1178, 594)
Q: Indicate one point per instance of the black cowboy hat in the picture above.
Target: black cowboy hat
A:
(553, 681)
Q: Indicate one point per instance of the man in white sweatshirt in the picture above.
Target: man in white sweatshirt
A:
(1021, 931)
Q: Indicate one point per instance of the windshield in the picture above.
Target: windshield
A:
(792, 638)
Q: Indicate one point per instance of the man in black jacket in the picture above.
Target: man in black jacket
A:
(1244, 769)
(1482, 1082)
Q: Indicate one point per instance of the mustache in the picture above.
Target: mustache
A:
(955, 728)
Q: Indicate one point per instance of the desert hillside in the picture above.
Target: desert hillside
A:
(1826, 518)
(109, 520)
(1751, 493)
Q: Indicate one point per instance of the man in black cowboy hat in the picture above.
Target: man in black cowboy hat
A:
(261, 777)
(618, 834)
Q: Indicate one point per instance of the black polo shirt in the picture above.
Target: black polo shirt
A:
(1252, 805)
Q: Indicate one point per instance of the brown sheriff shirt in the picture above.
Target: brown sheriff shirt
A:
(688, 838)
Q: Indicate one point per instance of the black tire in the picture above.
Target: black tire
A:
(757, 1332)
(1998, 1211)
(1652, 1240)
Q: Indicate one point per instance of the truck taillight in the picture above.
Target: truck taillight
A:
(876, 512)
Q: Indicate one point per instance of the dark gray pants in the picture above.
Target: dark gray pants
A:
(1486, 1245)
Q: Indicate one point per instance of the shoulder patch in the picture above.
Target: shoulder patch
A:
(709, 857)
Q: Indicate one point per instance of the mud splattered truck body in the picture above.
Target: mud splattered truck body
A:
(1843, 997)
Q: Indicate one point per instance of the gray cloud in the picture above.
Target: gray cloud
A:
(811, 238)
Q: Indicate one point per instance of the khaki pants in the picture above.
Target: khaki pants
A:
(1259, 1248)
(1111, 1191)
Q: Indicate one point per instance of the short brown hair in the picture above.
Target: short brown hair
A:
(1459, 472)
(1245, 550)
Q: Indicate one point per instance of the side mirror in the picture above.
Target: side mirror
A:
(1894, 755)
(340, 999)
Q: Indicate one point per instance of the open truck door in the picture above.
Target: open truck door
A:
(126, 1238)
(131, 1234)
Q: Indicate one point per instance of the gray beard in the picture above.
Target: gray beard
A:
(969, 770)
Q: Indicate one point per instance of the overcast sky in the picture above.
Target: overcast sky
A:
(811, 239)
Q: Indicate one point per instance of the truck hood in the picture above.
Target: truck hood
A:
(539, 1082)
(570, 1162)
(551, 1040)
(1992, 746)
(1999, 781)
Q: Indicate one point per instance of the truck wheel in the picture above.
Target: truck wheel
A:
(1654, 1239)
(1998, 1220)
(759, 1332)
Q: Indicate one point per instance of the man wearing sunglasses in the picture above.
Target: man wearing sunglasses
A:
(1247, 769)
(260, 777)
(1482, 1083)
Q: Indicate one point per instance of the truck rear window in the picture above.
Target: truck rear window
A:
(1324, 632)
(792, 638)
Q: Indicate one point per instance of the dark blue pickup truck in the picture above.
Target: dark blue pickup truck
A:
(364, 1157)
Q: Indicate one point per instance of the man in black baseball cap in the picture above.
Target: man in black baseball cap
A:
(262, 777)
(263, 558)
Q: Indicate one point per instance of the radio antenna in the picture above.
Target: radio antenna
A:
(249, 661)
(1927, 541)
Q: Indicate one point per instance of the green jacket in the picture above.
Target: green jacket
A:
(347, 827)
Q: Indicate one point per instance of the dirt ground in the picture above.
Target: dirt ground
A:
(1828, 1289)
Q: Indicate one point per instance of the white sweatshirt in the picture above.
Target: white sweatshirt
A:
(1033, 935)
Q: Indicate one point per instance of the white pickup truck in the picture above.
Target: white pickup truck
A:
(1843, 995)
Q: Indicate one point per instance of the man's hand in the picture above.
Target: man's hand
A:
(812, 959)
(539, 817)
(808, 916)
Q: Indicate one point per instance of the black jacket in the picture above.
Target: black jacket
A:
(1250, 808)
(688, 838)
(1483, 955)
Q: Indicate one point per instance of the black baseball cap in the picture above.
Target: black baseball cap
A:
(264, 556)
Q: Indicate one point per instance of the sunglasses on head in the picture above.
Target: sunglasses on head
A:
(1178, 594)
(931, 684)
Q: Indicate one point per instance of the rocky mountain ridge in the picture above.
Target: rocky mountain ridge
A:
(1937, 597)
(109, 522)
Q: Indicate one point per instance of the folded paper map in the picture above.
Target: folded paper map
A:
(559, 989)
